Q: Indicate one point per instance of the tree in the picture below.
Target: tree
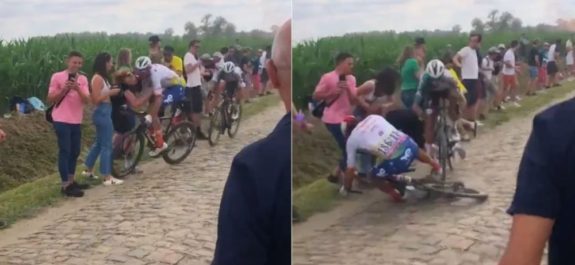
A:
(191, 31)
(169, 32)
(206, 25)
(505, 20)
(477, 25)
(516, 24)
(456, 28)
(492, 17)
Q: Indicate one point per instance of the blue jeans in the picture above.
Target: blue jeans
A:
(408, 97)
(69, 143)
(102, 119)
(335, 130)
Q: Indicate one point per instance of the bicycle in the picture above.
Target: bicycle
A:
(225, 117)
(129, 148)
(445, 155)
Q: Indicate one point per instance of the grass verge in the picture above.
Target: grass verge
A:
(315, 155)
(27, 199)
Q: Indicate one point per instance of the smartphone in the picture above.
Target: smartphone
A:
(71, 76)
(342, 78)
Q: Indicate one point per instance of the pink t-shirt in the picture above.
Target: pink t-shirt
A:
(71, 110)
(341, 107)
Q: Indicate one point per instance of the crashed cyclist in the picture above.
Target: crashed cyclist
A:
(158, 77)
(394, 150)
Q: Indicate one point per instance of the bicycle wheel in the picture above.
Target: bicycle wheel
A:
(127, 152)
(456, 190)
(215, 128)
(443, 147)
(235, 114)
(181, 140)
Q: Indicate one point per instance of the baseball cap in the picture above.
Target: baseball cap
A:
(218, 54)
(501, 46)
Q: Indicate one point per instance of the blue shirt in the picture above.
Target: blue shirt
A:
(254, 225)
(546, 178)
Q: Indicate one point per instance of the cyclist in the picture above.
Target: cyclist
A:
(436, 84)
(395, 152)
(158, 77)
(228, 79)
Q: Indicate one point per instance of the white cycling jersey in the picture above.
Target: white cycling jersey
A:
(161, 77)
(376, 136)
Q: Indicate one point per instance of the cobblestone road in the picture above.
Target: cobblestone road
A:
(438, 232)
(167, 215)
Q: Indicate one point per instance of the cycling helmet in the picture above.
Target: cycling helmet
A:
(143, 62)
(435, 68)
(229, 67)
(348, 124)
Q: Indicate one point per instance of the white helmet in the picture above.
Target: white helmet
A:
(143, 62)
(435, 68)
(229, 67)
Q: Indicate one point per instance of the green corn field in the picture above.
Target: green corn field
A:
(373, 51)
(27, 65)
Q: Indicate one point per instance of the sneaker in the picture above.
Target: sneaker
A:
(158, 151)
(343, 191)
(80, 186)
(113, 181)
(507, 99)
(500, 107)
(478, 123)
(515, 104)
(518, 98)
(89, 175)
(72, 191)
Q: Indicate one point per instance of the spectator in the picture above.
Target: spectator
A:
(102, 119)
(509, 74)
(124, 62)
(552, 68)
(194, 86)
(246, 67)
(254, 224)
(69, 90)
(487, 67)
(2, 136)
(497, 76)
(534, 62)
(338, 89)
(264, 78)
(466, 59)
(172, 61)
(569, 58)
(256, 70)
(218, 59)
(375, 96)
(155, 50)
(543, 77)
(410, 74)
(542, 207)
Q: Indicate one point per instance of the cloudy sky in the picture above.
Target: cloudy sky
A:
(25, 18)
(320, 18)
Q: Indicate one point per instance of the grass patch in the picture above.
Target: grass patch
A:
(27, 199)
(316, 154)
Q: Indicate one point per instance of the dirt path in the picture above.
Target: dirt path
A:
(167, 215)
(369, 229)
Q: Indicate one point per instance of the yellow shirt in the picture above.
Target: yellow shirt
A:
(177, 66)
(460, 86)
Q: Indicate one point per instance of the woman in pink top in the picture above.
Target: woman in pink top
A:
(70, 88)
(338, 89)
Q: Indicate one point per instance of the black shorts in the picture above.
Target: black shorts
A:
(194, 99)
(552, 68)
(408, 122)
(472, 91)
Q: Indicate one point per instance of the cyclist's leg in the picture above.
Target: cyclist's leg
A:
(429, 128)
(153, 110)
